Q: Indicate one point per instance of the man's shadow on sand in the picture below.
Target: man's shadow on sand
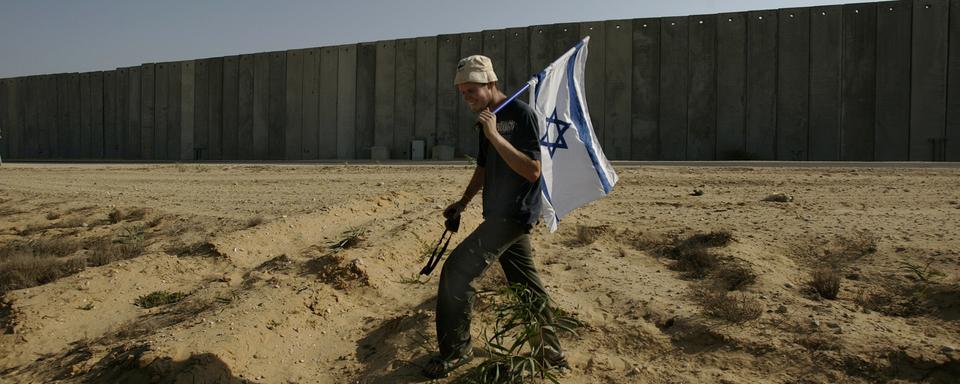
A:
(385, 350)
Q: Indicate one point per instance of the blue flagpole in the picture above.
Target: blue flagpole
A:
(505, 102)
(510, 99)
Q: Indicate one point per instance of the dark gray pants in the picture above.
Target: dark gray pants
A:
(493, 239)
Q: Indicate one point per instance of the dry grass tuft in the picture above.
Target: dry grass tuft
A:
(696, 263)
(255, 221)
(158, 298)
(55, 247)
(66, 223)
(105, 251)
(115, 216)
(25, 271)
(826, 282)
(693, 254)
(734, 308)
(733, 277)
(197, 248)
(136, 214)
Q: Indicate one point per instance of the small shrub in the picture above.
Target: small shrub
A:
(695, 242)
(158, 298)
(105, 251)
(115, 216)
(826, 282)
(735, 308)
(734, 277)
(255, 221)
(131, 235)
(54, 247)
(696, 262)
(517, 348)
(197, 248)
(136, 214)
(778, 197)
(924, 278)
(25, 271)
(712, 239)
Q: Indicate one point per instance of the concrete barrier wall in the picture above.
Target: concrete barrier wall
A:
(859, 82)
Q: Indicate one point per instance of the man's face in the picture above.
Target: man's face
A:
(477, 96)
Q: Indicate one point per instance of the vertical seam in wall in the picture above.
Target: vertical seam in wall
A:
(807, 148)
(776, 88)
(840, 130)
(946, 99)
(716, 84)
(746, 84)
(686, 85)
(910, 90)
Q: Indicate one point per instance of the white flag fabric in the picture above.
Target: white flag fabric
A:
(574, 171)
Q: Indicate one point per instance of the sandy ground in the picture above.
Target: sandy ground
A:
(272, 303)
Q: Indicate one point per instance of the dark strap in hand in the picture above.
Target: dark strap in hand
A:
(452, 225)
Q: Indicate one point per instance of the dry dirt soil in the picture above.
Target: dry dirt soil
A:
(307, 274)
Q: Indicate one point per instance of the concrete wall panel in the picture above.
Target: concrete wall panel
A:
(928, 91)
(310, 110)
(617, 89)
(826, 32)
(293, 133)
(858, 97)
(645, 94)
(230, 147)
(366, 97)
(347, 102)
(673, 88)
(329, 70)
(762, 80)
(893, 77)
(702, 97)
(793, 84)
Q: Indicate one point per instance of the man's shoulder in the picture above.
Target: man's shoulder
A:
(521, 107)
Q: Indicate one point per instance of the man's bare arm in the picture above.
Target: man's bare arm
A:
(475, 185)
(520, 163)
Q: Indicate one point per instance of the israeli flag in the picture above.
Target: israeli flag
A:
(574, 171)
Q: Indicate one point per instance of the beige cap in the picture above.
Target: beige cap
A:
(475, 69)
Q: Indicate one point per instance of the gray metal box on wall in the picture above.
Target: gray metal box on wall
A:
(417, 149)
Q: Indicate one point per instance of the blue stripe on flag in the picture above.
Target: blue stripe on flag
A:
(546, 192)
(576, 113)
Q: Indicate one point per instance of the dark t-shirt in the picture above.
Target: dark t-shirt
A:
(506, 194)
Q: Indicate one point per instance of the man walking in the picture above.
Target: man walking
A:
(508, 172)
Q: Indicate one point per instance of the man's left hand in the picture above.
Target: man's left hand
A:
(489, 122)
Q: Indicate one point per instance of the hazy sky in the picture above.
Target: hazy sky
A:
(53, 36)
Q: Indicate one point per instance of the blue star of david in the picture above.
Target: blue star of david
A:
(562, 126)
